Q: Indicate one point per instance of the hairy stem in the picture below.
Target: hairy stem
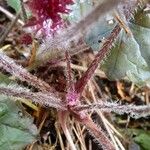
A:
(97, 133)
(10, 66)
(39, 97)
(132, 110)
(71, 94)
(68, 71)
(82, 82)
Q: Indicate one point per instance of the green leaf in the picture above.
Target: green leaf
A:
(14, 4)
(143, 140)
(142, 35)
(4, 79)
(142, 18)
(141, 137)
(16, 129)
(129, 57)
(79, 9)
(101, 29)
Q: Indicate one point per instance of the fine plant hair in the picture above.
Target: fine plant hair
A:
(70, 103)
(131, 110)
(10, 66)
(17, 91)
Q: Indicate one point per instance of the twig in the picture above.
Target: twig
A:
(24, 14)
(119, 143)
(83, 68)
(62, 115)
(59, 136)
(9, 28)
(10, 15)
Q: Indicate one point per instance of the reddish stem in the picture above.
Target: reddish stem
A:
(94, 130)
(68, 72)
(82, 82)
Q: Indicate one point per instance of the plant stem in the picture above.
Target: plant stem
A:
(97, 133)
(63, 115)
(10, 16)
(82, 82)
(10, 66)
(4, 35)
(132, 110)
(23, 11)
(39, 97)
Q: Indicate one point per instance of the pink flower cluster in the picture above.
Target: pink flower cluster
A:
(43, 10)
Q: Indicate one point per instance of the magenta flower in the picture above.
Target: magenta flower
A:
(44, 10)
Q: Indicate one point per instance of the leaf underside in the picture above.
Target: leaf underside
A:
(16, 129)
(130, 55)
